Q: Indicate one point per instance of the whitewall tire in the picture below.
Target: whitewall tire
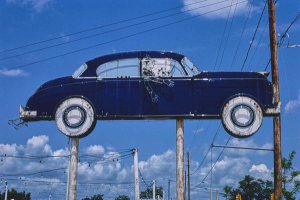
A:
(242, 116)
(75, 117)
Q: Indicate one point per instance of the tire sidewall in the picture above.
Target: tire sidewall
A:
(88, 123)
(235, 130)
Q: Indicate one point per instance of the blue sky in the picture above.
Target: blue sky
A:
(27, 21)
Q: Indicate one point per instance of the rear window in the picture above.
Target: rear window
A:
(117, 68)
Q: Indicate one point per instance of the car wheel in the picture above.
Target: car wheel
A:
(75, 117)
(242, 116)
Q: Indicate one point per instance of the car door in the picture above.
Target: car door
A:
(119, 89)
(168, 90)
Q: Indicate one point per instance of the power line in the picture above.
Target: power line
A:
(211, 168)
(227, 38)
(108, 155)
(242, 34)
(34, 173)
(253, 38)
(223, 35)
(105, 32)
(98, 27)
(63, 182)
(213, 140)
(117, 39)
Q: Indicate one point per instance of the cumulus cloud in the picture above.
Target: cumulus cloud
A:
(13, 72)
(292, 104)
(216, 5)
(37, 5)
(104, 167)
(38, 167)
(159, 165)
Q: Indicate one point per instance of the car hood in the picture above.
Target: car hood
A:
(56, 82)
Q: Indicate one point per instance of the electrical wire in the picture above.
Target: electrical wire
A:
(242, 34)
(211, 168)
(223, 35)
(117, 39)
(110, 31)
(34, 173)
(99, 27)
(253, 37)
(228, 33)
(203, 159)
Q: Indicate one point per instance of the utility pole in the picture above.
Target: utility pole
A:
(136, 175)
(72, 174)
(211, 173)
(179, 160)
(188, 161)
(276, 119)
(169, 181)
(153, 189)
(6, 191)
(184, 184)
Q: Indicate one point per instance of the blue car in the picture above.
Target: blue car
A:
(151, 85)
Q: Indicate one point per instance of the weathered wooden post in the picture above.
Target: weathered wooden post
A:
(72, 174)
(276, 119)
(179, 160)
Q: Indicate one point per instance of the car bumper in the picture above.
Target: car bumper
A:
(274, 111)
(27, 114)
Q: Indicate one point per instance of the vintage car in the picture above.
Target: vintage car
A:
(151, 85)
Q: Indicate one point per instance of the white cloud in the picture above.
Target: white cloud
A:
(198, 130)
(13, 72)
(293, 104)
(38, 5)
(163, 165)
(95, 149)
(260, 168)
(213, 5)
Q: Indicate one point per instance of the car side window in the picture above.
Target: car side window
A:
(118, 68)
(161, 67)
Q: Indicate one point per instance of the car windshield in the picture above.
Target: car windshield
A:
(79, 71)
(189, 66)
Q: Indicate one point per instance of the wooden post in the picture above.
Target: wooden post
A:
(276, 119)
(188, 165)
(73, 165)
(179, 160)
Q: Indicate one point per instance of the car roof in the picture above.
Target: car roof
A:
(94, 63)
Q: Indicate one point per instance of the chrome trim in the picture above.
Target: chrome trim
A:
(130, 117)
(24, 114)
(275, 110)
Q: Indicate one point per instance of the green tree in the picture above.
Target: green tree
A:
(249, 188)
(122, 197)
(13, 194)
(148, 193)
(289, 174)
(95, 197)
